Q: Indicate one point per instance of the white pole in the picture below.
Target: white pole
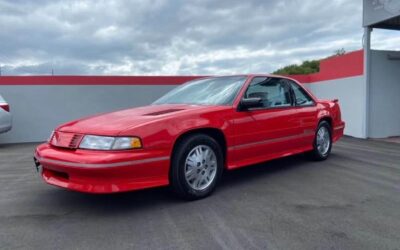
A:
(367, 74)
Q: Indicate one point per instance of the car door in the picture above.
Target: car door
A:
(267, 131)
(306, 113)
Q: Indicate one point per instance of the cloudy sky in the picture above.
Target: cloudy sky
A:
(169, 37)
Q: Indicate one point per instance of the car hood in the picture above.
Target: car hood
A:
(115, 122)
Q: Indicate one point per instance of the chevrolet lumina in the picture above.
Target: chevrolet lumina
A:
(188, 137)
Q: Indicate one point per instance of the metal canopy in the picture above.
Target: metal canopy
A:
(383, 14)
(392, 24)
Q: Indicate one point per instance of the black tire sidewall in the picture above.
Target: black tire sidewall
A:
(178, 178)
(316, 152)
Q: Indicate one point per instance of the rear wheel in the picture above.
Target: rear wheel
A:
(196, 167)
(322, 142)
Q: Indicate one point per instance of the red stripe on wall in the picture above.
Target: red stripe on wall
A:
(347, 65)
(95, 80)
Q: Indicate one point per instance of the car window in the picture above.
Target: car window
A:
(274, 92)
(301, 97)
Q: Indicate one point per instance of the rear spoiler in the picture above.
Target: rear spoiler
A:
(335, 100)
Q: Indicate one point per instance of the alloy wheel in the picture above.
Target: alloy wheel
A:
(323, 140)
(200, 167)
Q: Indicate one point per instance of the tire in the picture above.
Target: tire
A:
(196, 166)
(321, 150)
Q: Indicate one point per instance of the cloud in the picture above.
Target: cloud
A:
(168, 37)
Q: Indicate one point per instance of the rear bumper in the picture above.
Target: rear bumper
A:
(102, 172)
(338, 131)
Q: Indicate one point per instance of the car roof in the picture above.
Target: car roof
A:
(255, 75)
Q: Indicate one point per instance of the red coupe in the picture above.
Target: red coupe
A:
(190, 135)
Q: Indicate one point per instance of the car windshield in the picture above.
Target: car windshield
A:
(208, 91)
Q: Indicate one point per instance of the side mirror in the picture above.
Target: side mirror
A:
(247, 103)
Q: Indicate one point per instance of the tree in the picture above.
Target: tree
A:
(339, 52)
(307, 67)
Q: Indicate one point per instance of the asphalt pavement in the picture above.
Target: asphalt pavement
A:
(350, 201)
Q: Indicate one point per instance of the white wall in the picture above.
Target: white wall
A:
(385, 95)
(37, 110)
(351, 94)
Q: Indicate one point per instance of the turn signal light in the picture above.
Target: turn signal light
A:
(136, 143)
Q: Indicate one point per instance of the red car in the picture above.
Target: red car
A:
(189, 136)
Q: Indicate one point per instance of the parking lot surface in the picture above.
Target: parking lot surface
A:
(350, 201)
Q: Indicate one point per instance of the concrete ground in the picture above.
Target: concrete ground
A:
(350, 201)
(395, 139)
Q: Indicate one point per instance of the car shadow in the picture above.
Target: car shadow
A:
(268, 169)
(262, 169)
(163, 197)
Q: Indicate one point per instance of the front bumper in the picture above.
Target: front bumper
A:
(102, 171)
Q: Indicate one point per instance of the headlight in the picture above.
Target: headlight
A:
(109, 143)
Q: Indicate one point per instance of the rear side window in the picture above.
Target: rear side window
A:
(302, 98)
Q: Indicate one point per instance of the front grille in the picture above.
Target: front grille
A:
(56, 174)
(66, 140)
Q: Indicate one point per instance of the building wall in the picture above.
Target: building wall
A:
(351, 94)
(37, 110)
(342, 77)
(384, 101)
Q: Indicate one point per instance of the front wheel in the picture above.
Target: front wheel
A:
(322, 142)
(196, 166)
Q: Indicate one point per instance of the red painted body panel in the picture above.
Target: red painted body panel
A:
(103, 172)
(251, 137)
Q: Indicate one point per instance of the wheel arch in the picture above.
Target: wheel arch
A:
(215, 133)
(328, 119)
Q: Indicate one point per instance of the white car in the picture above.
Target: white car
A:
(5, 116)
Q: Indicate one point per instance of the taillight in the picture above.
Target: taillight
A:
(5, 106)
